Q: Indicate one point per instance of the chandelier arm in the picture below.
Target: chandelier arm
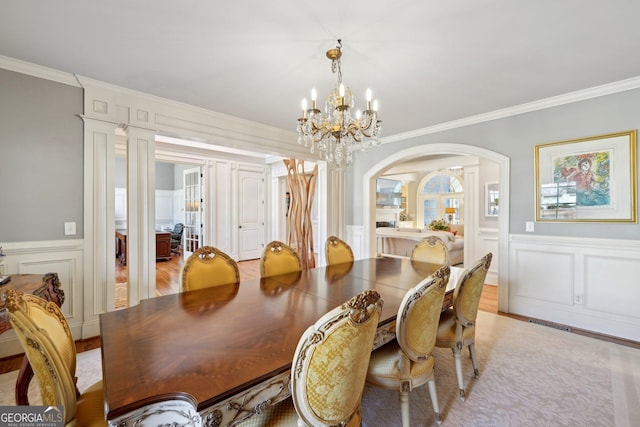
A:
(322, 130)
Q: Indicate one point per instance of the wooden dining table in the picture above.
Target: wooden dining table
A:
(219, 355)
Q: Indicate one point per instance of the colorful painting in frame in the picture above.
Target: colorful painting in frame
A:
(588, 179)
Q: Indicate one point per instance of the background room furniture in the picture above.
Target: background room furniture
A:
(279, 258)
(46, 287)
(337, 251)
(329, 368)
(246, 344)
(457, 327)
(408, 361)
(207, 267)
(163, 245)
(431, 249)
(400, 241)
(176, 237)
(48, 344)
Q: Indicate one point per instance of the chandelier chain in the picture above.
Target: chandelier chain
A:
(336, 64)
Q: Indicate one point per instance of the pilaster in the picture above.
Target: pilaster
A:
(99, 223)
(141, 238)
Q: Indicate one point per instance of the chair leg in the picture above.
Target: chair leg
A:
(458, 362)
(434, 401)
(474, 360)
(404, 408)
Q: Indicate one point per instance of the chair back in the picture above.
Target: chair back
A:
(279, 258)
(48, 344)
(337, 251)
(466, 296)
(207, 267)
(176, 236)
(419, 313)
(330, 363)
(177, 229)
(431, 249)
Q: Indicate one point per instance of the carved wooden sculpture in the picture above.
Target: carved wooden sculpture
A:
(302, 187)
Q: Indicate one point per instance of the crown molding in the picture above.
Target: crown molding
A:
(34, 70)
(23, 67)
(554, 101)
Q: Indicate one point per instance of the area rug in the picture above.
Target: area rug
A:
(121, 299)
(88, 371)
(530, 375)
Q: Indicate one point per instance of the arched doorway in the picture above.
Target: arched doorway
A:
(369, 190)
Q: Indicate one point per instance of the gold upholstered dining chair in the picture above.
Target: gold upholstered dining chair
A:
(431, 249)
(208, 267)
(407, 362)
(457, 327)
(48, 344)
(329, 368)
(337, 251)
(279, 258)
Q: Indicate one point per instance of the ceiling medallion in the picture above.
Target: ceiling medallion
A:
(335, 132)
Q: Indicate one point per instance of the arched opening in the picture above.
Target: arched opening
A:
(471, 199)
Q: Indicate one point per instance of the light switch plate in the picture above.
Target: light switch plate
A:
(69, 228)
(528, 226)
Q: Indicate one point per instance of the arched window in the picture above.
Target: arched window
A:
(441, 195)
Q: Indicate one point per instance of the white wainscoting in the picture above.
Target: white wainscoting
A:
(64, 257)
(583, 283)
(165, 209)
(121, 208)
(487, 241)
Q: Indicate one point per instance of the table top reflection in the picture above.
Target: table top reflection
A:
(207, 346)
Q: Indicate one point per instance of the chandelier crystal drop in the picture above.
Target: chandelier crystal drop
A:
(335, 132)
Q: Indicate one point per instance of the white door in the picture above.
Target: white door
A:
(192, 234)
(250, 214)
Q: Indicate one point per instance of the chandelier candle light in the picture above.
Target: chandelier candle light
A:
(335, 133)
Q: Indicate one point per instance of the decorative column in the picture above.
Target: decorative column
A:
(141, 225)
(99, 227)
(302, 187)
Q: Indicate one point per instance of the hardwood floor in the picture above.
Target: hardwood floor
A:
(167, 282)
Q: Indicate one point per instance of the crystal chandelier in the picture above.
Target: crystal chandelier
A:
(336, 133)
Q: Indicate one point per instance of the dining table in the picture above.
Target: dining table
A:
(216, 356)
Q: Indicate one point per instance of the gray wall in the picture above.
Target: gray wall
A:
(41, 158)
(165, 176)
(516, 137)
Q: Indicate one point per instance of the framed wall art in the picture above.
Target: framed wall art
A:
(587, 180)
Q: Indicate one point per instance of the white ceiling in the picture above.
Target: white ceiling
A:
(428, 61)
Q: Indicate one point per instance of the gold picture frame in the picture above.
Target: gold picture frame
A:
(587, 180)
